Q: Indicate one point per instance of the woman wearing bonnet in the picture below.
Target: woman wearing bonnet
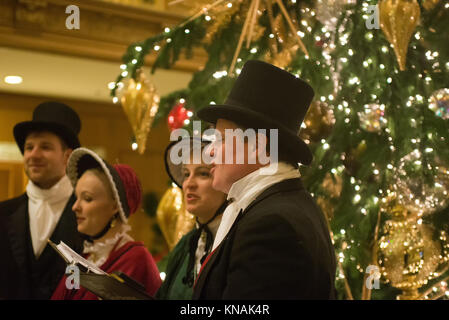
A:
(205, 203)
(106, 197)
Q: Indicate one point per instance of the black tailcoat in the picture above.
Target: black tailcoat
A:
(278, 248)
(22, 276)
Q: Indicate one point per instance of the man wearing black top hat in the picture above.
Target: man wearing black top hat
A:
(273, 242)
(30, 268)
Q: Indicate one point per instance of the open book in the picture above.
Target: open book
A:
(71, 257)
(113, 286)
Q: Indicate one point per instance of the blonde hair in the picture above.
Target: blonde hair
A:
(104, 179)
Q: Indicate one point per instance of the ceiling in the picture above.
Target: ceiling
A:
(48, 74)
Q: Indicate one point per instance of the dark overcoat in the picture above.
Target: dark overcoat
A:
(279, 247)
(22, 276)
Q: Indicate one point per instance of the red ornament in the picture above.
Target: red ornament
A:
(177, 116)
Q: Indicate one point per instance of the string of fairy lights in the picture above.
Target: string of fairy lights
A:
(373, 117)
(431, 202)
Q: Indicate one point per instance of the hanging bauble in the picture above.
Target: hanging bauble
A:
(178, 115)
(172, 217)
(408, 255)
(140, 102)
(398, 20)
(439, 103)
(417, 194)
(372, 118)
(393, 207)
(318, 122)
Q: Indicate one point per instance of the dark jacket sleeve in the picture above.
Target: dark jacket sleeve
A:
(268, 261)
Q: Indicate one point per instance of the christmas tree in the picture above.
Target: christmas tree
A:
(378, 126)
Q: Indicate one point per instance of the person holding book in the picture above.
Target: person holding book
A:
(106, 197)
(207, 204)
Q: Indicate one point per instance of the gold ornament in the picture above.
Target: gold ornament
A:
(439, 103)
(414, 192)
(408, 256)
(173, 218)
(250, 13)
(372, 119)
(289, 45)
(318, 122)
(392, 205)
(220, 20)
(398, 20)
(140, 103)
(332, 186)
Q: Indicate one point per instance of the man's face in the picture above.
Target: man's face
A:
(225, 174)
(45, 159)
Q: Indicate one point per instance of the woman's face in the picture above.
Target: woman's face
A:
(94, 206)
(200, 198)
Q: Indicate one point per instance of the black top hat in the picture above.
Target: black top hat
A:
(52, 116)
(267, 97)
(174, 169)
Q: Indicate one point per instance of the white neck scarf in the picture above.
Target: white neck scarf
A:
(100, 249)
(245, 190)
(45, 207)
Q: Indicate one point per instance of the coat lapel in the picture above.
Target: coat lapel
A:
(65, 230)
(210, 261)
(18, 233)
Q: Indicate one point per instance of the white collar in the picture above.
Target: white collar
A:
(99, 250)
(62, 189)
(45, 207)
(245, 190)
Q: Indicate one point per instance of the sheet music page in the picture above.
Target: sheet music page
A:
(74, 257)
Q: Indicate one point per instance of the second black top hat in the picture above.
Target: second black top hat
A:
(267, 97)
(51, 116)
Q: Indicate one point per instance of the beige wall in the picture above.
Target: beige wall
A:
(103, 126)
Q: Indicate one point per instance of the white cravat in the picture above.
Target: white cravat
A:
(45, 207)
(245, 190)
